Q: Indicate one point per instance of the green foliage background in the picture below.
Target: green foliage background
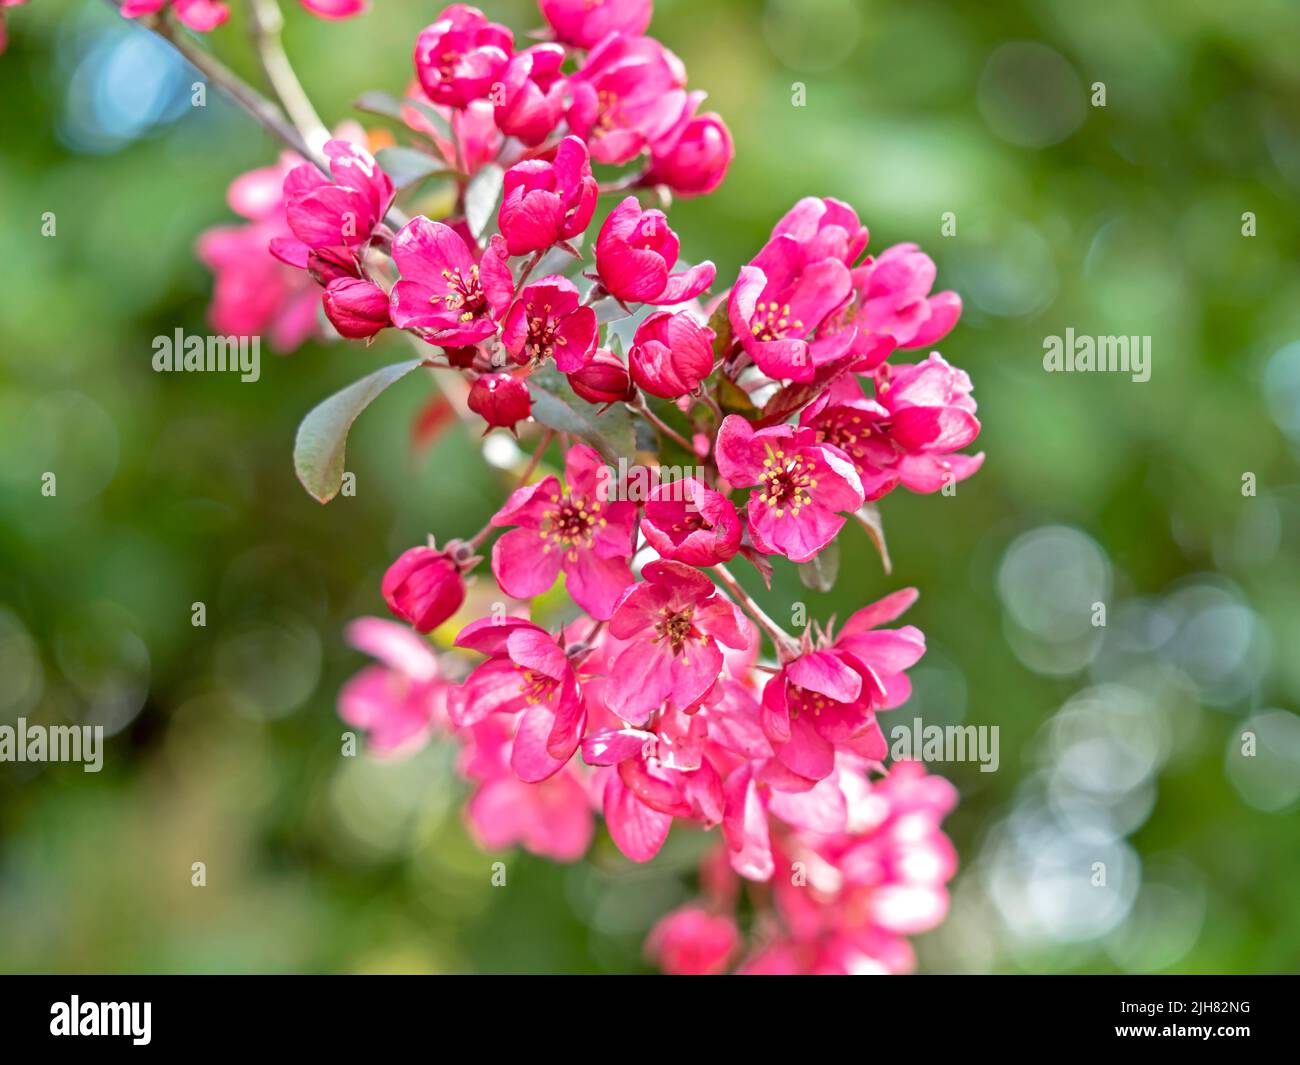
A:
(180, 489)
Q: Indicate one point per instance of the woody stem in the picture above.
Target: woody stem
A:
(786, 645)
(642, 409)
(267, 24)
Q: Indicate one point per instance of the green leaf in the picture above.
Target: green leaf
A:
(868, 516)
(380, 103)
(406, 166)
(820, 571)
(733, 399)
(440, 124)
(323, 434)
(482, 195)
(557, 406)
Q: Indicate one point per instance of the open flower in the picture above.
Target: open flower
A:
(803, 486)
(443, 291)
(635, 252)
(197, 15)
(673, 622)
(567, 529)
(345, 212)
(399, 700)
(530, 102)
(581, 23)
(545, 202)
(690, 941)
(687, 521)
(460, 56)
(546, 322)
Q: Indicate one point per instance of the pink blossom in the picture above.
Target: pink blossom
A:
(335, 9)
(673, 622)
(526, 672)
(581, 23)
(423, 587)
(357, 309)
(635, 252)
(804, 486)
(546, 322)
(345, 212)
(399, 701)
(694, 159)
(686, 521)
(690, 941)
(475, 138)
(892, 297)
(500, 400)
(545, 202)
(603, 380)
(198, 15)
(569, 529)
(671, 354)
(530, 102)
(460, 55)
(626, 96)
(443, 291)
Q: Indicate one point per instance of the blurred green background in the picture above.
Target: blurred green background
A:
(1118, 744)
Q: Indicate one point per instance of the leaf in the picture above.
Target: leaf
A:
(482, 195)
(559, 261)
(379, 103)
(323, 434)
(720, 323)
(869, 518)
(440, 124)
(734, 399)
(557, 406)
(406, 166)
(820, 571)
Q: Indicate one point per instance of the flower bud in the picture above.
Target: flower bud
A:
(357, 309)
(698, 159)
(500, 400)
(603, 380)
(671, 354)
(423, 587)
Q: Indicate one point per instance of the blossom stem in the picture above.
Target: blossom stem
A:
(536, 460)
(787, 647)
(527, 269)
(642, 409)
(267, 25)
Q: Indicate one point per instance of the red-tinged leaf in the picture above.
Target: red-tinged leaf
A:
(869, 518)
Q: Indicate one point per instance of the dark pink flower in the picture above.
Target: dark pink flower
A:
(500, 400)
(892, 297)
(671, 354)
(672, 622)
(686, 521)
(423, 587)
(526, 672)
(803, 486)
(694, 160)
(399, 701)
(545, 202)
(690, 941)
(443, 291)
(627, 95)
(603, 380)
(343, 213)
(567, 528)
(198, 15)
(581, 23)
(357, 309)
(827, 698)
(335, 9)
(546, 322)
(635, 252)
(460, 55)
(530, 101)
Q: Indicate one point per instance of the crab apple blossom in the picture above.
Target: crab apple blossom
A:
(567, 528)
(892, 297)
(687, 521)
(635, 252)
(357, 309)
(401, 699)
(803, 487)
(628, 94)
(500, 400)
(671, 354)
(527, 672)
(604, 379)
(335, 9)
(461, 55)
(582, 24)
(201, 16)
(530, 101)
(546, 322)
(468, 137)
(690, 941)
(547, 201)
(424, 587)
(345, 212)
(453, 300)
(693, 160)
(672, 623)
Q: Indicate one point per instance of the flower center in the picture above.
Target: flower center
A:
(676, 627)
(846, 431)
(536, 687)
(542, 333)
(787, 482)
(572, 523)
(463, 293)
(771, 321)
(801, 699)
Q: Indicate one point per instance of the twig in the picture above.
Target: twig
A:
(641, 408)
(266, 26)
(787, 647)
